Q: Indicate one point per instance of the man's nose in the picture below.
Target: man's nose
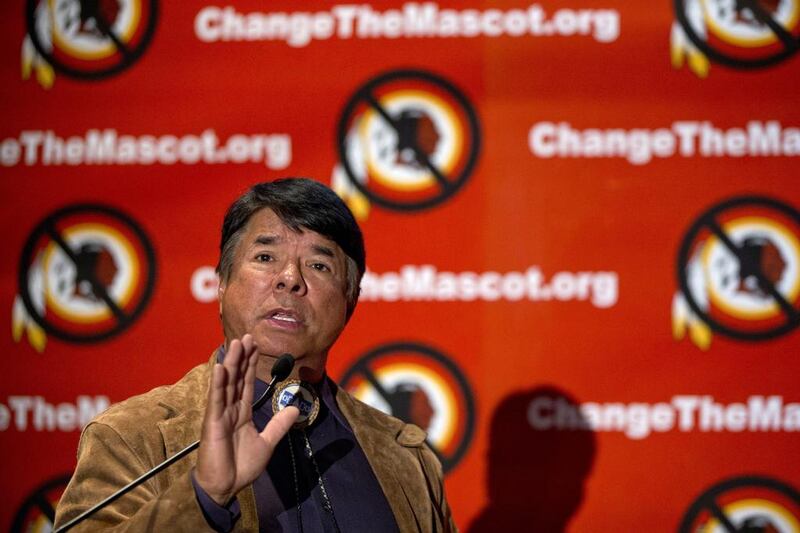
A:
(291, 279)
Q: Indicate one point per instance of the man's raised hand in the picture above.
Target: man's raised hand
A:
(232, 452)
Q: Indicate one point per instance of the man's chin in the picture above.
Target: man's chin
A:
(276, 352)
(306, 367)
(275, 348)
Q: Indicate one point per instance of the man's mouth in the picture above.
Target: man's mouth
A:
(284, 318)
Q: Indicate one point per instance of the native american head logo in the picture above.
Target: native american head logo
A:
(85, 39)
(418, 384)
(751, 504)
(86, 272)
(739, 273)
(736, 33)
(408, 140)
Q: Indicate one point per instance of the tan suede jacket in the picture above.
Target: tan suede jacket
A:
(133, 436)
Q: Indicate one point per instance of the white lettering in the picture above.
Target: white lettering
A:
(31, 140)
(110, 148)
(204, 284)
(765, 415)
(21, 405)
(638, 420)
(411, 20)
(640, 146)
(35, 412)
(10, 152)
(540, 413)
(206, 24)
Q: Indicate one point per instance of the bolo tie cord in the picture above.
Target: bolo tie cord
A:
(326, 501)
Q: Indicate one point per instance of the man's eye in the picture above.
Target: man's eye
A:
(322, 267)
(264, 258)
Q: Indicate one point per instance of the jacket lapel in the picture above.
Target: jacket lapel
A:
(397, 476)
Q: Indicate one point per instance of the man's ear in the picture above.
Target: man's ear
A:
(220, 294)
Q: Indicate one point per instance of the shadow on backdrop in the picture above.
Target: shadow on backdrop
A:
(536, 475)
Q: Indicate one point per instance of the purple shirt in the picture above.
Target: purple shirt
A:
(355, 495)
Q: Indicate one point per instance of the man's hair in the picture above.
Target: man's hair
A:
(300, 203)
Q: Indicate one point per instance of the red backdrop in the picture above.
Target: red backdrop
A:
(550, 174)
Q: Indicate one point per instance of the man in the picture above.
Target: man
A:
(291, 261)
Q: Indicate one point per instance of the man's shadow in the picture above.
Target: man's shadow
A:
(536, 475)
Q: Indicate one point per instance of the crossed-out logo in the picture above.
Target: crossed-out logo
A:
(741, 34)
(85, 39)
(38, 512)
(418, 384)
(745, 503)
(739, 272)
(407, 140)
(86, 273)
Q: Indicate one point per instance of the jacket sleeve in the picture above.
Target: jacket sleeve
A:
(432, 470)
(105, 464)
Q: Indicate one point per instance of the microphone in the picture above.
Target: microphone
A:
(283, 367)
(280, 371)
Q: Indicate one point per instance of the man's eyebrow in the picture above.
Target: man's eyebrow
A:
(274, 239)
(266, 239)
(324, 250)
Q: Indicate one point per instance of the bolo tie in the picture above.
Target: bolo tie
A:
(302, 395)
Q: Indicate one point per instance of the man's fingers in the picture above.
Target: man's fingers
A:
(249, 381)
(237, 384)
(280, 424)
(231, 363)
(244, 362)
(248, 344)
(216, 393)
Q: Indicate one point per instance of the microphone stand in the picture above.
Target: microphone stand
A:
(158, 468)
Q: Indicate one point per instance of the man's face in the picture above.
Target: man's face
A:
(287, 289)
